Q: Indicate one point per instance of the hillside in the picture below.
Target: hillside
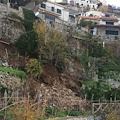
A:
(49, 73)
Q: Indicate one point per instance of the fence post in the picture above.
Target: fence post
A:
(17, 95)
(5, 104)
(92, 108)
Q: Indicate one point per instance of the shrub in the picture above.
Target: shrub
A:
(33, 68)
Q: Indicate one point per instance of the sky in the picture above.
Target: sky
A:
(113, 2)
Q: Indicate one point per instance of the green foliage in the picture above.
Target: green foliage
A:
(100, 91)
(84, 61)
(33, 68)
(51, 45)
(84, 23)
(55, 112)
(96, 50)
(29, 18)
(74, 113)
(108, 68)
(28, 14)
(27, 42)
(13, 72)
(28, 24)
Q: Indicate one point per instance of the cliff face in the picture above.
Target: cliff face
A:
(10, 25)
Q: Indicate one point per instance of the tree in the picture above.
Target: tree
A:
(51, 44)
(27, 42)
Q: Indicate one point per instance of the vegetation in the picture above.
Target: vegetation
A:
(13, 72)
(105, 91)
(51, 44)
(24, 110)
(112, 116)
(33, 68)
(29, 18)
(84, 23)
(27, 43)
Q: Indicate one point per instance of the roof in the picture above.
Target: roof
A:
(88, 17)
(109, 19)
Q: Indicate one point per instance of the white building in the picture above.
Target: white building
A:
(94, 13)
(54, 11)
(104, 2)
(82, 3)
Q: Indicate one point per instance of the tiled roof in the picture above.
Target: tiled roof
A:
(88, 17)
(109, 19)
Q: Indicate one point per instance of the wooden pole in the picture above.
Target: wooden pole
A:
(92, 108)
(5, 99)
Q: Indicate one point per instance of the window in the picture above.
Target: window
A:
(93, 6)
(109, 23)
(52, 9)
(81, 4)
(107, 15)
(87, 1)
(59, 11)
(95, 23)
(43, 5)
(111, 32)
(49, 17)
(71, 2)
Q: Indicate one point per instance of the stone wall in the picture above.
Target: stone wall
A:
(10, 28)
(101, 31)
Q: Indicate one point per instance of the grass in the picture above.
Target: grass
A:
(13, 72)
(58, 113)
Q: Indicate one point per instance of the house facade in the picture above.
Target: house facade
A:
(108, 28)
(82, 3)
(53, 11)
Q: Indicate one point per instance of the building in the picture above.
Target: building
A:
(94, 13)
(82, 3)
(53, 12)
(108, 28)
